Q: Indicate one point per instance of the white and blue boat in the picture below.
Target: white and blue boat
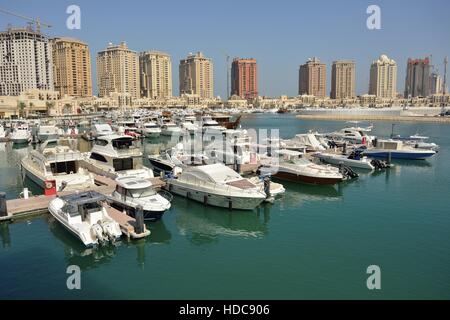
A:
(396, 149)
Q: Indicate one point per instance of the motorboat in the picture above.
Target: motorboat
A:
(101, 129)
(170, 128)
(275, 189)
(217, 185)
(58, 161)
(85, 216)
(292, 166)
(150, 130)
(47, 132)
(396, 149)
(132, 192)
(21, 134)
(210, 126)
(417, 141)
(354, 160)
(117, 155)
(353, 135)
(175, 159)
(302, 141)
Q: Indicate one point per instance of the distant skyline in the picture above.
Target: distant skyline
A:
(279, 35)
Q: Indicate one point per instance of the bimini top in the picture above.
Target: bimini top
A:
(217, 172)
(133, 182)
(81, 198)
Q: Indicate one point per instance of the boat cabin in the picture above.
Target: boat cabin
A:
(86, 206)
(134, 187)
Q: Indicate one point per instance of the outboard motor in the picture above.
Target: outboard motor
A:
(348, 172)
(269, 197)
(98, 232)
(379, 164)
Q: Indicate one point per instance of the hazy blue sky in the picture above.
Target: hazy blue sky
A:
(279, 34)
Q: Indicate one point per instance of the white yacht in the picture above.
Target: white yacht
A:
(101, 129)
(189, 125)
(47, 132)
(291, 166)
(85, 216)
(353, 135)
(210, 126)
(150, 129)
(170, 128)
(118, 155)
(21, 134)
(59, 161)
(132, 192)
(302, 141)
(217, 185)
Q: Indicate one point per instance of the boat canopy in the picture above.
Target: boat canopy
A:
(133, 182)
(217, 172)
(82, 198)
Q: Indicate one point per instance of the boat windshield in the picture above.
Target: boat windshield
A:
(300, 161)
(142, 193)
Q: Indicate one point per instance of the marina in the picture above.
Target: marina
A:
(340, 209)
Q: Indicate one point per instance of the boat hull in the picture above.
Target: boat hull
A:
(149, 215)
(400, 155)
(223, 201)
(346, 162)
(288, 176)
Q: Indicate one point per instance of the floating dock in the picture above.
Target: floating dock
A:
(22, 208)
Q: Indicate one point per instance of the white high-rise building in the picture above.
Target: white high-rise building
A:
(26, 61)
(156, 74)
(383, 78)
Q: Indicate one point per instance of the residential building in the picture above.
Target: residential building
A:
(417, 82)
(343, 79)
(196, 76)
(26, 61)
(118, 71)
(383, 78)
(244, 78)
(72, 67)
(313, 78)
(156, 74)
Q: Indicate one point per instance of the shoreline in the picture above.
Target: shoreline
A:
(445, 120)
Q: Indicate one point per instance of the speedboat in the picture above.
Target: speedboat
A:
(21, 135)
(132, 192)
(85, 216)
(150, 130)
(101, 129)
(396, 149)
(302, 141)
(47, 132)
(353, 160)
(217, 185)
(417, 141)
(59, 161)
(210, 126)
(291, 166)
(117, 155)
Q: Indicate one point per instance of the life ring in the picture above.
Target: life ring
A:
(48, 185)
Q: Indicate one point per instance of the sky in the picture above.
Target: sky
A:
(280, 34)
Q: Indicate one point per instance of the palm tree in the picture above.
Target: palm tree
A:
(21, 106)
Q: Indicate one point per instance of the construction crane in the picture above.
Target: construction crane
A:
(37, 22)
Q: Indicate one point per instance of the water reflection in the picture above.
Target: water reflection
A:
(204, 224)
(4, 235)
(159, 232)
(298, 194)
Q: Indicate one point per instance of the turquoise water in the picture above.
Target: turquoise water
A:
(315, 242)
